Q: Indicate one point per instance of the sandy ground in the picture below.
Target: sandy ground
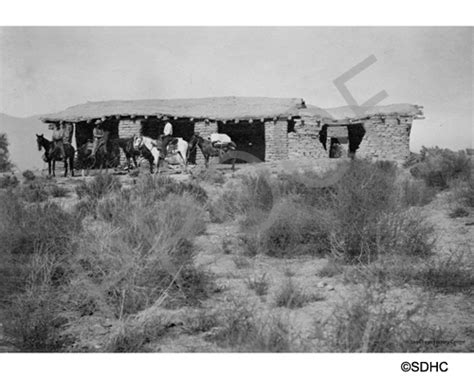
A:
(232, 271)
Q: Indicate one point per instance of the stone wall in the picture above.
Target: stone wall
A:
(304, 141)
(128, 128)
(204, 129)
(276, 140)
(386, 138)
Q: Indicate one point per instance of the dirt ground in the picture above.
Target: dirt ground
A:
(219, 251)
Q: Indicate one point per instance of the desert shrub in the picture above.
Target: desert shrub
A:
(8, 181)
(136, 331)
(30, 232)
(57, 191)
(447, 275)
(249, 195)
(32, 320)
(34, 192)
(259, 284)
(370, 324)
(250, 244)
(29, 175)
(136, 258)
(437, 167)
(240, 329)
(154, 188)
(240, 262)
(458, 212)
(311, 188)
(199, 321)
(292, 296)
(365, 192)
(259, 191)
(404, 232)
(463, 191)
(98, 187)
(330, 269)
(34, 314)
(227, 245)
(210, 175)
(415, 192)
(292, 230)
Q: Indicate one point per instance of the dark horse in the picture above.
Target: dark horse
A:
(51, 156)
(208, 150)
(104, 157)
(126, 144)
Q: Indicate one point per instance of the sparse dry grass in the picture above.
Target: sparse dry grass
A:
(129, 258)
(292, 296)
(259, 284)
(241, 329)
(370, 323)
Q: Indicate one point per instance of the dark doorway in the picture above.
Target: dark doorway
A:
(249, 137)
(84, 134)
(342, 136)
(84, 130)
(153, 127)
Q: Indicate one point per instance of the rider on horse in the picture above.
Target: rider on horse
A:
(167, 136)
(100, 138)
(59, 139)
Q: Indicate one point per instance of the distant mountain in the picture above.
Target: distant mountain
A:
(21, 133)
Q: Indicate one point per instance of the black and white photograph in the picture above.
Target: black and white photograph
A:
(237, 189)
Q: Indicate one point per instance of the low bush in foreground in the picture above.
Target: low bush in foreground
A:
(240, 329)
(445, 275)
(415, 192)
(259, 284)
(34, 192)
(210, 175)
(369, 323)
(463, 192)
(98, 187)
(29, 175)
(146, 252)
(292, 296)
(8, 181)
(291, 230)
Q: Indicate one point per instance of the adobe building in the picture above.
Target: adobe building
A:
(270, 129)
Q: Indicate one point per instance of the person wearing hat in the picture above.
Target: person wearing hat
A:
(57, 148)
(98, 135)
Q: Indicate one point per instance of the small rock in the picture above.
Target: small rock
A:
(330, 288)
(321, 285)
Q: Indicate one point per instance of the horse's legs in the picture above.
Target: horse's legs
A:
(71, 165)
(158, 164)
(49, 168)
(54, 167)
(156, 158)
(65, 167)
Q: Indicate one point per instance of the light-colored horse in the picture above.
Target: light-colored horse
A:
(156, 149)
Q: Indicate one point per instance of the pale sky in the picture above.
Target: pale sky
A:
(45, 70)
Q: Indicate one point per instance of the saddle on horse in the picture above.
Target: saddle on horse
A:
(222, 141)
